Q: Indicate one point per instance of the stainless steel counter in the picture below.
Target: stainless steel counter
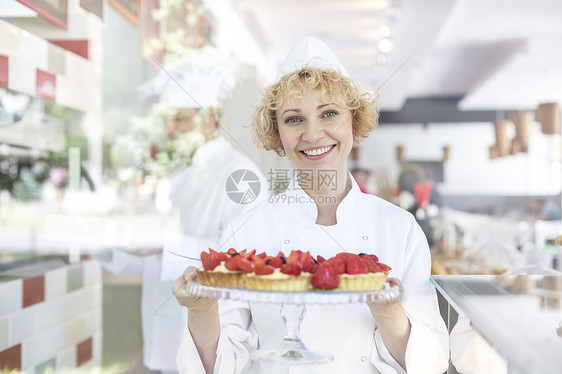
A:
(520, 316)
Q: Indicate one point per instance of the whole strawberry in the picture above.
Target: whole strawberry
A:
(325, 277)
(209, 261)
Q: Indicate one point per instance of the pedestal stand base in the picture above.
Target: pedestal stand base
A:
(292, 357)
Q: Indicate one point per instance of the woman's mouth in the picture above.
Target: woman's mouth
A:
(317, 153)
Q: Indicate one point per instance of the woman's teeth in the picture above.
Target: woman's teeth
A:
(317, 151)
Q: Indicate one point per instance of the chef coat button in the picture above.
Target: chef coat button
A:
(363, 358)
(365, 237)
(287, 241)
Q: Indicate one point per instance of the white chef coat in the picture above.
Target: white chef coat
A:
(365, 224)
(199, 192)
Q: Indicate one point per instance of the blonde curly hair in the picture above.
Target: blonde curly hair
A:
(343, 91)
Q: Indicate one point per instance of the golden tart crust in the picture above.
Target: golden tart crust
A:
(281, 282)
(221, 279)
(362, 282)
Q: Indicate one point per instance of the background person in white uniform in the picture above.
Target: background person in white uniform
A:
(314, 114)
(198, 192)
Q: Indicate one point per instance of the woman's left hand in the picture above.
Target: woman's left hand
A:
(393, 324)
(395, 282)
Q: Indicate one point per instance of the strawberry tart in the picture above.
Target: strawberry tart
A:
(225, 269)
(351, 272)
(282, 274)
(300, 271)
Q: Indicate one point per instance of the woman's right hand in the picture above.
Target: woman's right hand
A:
(203, 319)
(193, 303)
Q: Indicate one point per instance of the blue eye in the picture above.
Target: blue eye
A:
(292, 120)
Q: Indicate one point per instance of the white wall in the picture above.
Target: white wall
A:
(469, 170)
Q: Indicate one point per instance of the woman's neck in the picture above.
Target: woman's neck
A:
(328, 188)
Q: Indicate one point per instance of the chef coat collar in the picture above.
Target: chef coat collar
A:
(208, 151)
(347, 207)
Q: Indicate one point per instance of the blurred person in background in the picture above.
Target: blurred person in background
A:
(541, 209)
(362, 177)
(188, 101)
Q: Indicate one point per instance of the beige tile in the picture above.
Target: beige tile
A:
(11, 296)
(21, 325)
(3, 333)
(75, 277)
(34, 349)
(66, 359)
(56, 283)
(92, 273)
(21, 76)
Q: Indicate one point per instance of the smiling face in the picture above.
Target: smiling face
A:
(315, 132)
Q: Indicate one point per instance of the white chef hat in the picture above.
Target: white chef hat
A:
(202, 79)
(310, 52)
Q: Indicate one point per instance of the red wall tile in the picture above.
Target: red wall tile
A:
(84, 351)
(33, 290)
(10, 359)
(3, 70)
(79, 47)
(46, 85)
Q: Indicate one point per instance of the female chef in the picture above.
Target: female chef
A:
(314, 114)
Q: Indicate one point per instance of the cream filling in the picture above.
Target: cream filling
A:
(277, 274)
(219, 269)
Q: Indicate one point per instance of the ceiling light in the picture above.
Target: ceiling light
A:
(385, 31)
(385, 45)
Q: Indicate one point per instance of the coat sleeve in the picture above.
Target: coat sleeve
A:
(238, 337)
(427, 350)
(237, 340)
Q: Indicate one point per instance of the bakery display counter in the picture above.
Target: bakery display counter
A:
(518, 315)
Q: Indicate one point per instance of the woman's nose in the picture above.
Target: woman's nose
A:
(313, 132)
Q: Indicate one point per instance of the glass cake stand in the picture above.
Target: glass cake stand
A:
(292, 350)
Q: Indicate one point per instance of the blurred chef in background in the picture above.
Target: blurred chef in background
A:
(219, 184)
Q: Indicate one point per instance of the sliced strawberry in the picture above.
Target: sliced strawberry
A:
(326, 277)
(221, 256)
(282, 257)
(209, 261)
(298, 252)
(291, 268)
(338, 264)
(306, 262)
(313, 268)
(380, 267)
(320, 259)
(375, 258)
(246, 254)
(274, 262)
(344, 256)
(231, 251)
(261, 255)
(260, 268)
(355, 265)
(244, 264)
(370, 263)
(232, 263)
